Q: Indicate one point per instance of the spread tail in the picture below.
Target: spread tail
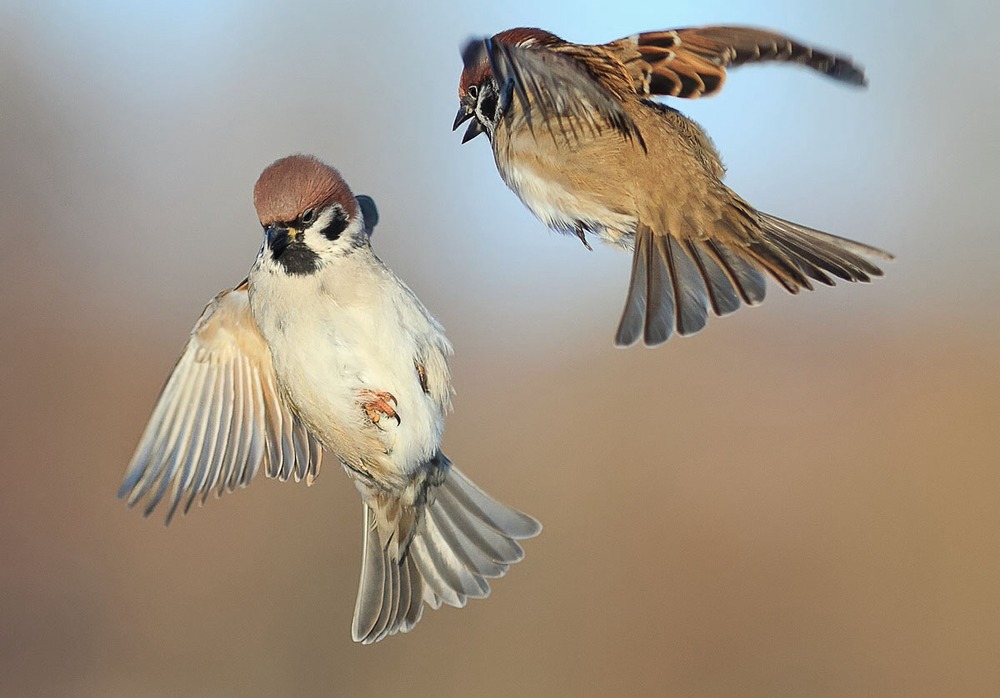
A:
(442, 549)
(678, 276)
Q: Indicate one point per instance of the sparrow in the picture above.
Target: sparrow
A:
(323, 348)
(577, 136)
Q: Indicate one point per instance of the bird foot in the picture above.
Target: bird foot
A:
(583, 237)
(375, 403)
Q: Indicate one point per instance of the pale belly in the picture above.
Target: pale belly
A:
(563, 210)
(325, 356)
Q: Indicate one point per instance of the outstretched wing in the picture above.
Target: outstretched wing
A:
(573, 86)
(219, 417)
(692, 62)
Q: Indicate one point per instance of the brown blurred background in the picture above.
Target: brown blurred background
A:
(802, 500)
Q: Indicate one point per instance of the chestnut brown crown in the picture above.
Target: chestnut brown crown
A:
(294, 184)
(477, 64)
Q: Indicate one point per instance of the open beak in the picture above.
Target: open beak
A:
(464, 114)
(467, 110)
(475, 128)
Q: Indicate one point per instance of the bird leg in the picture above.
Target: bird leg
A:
(582, 235)
(375, 403)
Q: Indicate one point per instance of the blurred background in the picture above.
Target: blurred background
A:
(802, 500)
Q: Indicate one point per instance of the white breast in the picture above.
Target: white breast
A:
(348, 327)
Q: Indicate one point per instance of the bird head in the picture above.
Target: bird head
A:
(309, 214)
(479, 96)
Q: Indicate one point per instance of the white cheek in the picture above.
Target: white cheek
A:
(349, 238)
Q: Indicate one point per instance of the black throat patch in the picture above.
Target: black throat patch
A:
(296, 258)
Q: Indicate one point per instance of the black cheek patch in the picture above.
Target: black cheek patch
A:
(488, 104)
(336, 225)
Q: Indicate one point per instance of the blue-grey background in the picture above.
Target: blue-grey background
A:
(801, 500)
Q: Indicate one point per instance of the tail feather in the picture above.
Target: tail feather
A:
(391, 593)
(442, 582)
(722, 294)
(631, 325)
(690, 292)
(677, 279)
(385, 609)
(411, 598)
(461, 538)
(472, 556)
(497, 546)
(745, 278)
(501, 518)
(780, 266)
(811, 264)
(431, 597)
(373, 564)
(661, 292)
(849, 256)
(446, 556)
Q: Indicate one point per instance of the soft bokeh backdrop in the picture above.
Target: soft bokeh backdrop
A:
(804, 499)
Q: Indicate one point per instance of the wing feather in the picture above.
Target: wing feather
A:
(692, 62)
(570, 88)
(219, 417)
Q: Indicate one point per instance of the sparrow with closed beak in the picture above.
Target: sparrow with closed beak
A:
(576, 135)
(322, 347)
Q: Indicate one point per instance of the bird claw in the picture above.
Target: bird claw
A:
(583, 237)
(375, 403)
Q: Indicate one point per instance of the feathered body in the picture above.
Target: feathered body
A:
(576, 135)
(323, 347)
(354, 325)
(594, 183)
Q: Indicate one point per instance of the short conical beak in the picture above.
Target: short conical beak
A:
(279, 237)
(475, 128)
(271, 232)
(464, 114)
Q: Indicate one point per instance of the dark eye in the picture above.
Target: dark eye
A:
(309, 216)
(473, 91)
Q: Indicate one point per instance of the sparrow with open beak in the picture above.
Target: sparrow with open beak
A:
(322, 347)
(576, 135)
